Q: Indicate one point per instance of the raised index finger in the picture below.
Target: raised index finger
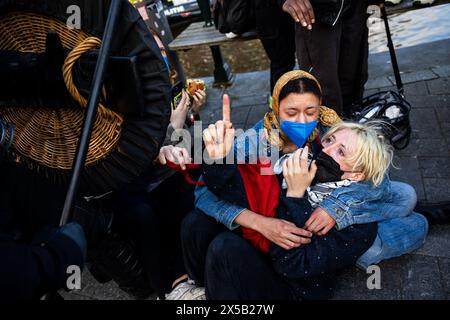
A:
(226, 108)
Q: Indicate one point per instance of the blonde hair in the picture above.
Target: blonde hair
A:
(372, 155)
(275, 136)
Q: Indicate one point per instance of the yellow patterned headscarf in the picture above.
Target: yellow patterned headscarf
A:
(327, 116)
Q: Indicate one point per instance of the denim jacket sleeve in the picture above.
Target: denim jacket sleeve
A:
(223, 211)
(357, 203)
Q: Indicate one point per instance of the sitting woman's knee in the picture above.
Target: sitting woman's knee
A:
(405, 194)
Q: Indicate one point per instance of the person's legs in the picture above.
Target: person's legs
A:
(318, 49)
(395, 237)
(281, 49)
(401, 203)
(197, 232)
(235, 270)
(139, 221)
(173, 199)
(152, 221)
(353, 53)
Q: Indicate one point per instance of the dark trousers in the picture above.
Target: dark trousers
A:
(226, 264)
(281, 49)
(152, 221)
(337, 55)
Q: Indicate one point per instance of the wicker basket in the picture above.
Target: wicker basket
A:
(48, 137)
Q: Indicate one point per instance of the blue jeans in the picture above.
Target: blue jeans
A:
(404, 231)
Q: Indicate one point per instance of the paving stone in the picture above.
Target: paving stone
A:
(421, 278)
(443, 115)
(379, 82)
(250, 100)
(251, 82)
(90, 288)
(256, 114)
(435, 167)
(424, 123)
(352, 284)
(437, 243)
(415, 76)
(444, 266)
(74, 296)
(425, 148)
(408, 171)
(368, 92)
(410, 89)
(439, 86)
(426, 101)
(239, 114)
(442, 71)
(437, 189)
(416, 88)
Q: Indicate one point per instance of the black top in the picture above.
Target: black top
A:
(310, 269)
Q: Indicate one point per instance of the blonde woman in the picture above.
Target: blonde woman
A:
(352, 154)
(298, 115)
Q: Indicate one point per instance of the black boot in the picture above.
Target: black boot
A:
(116, 258)
(436, 213)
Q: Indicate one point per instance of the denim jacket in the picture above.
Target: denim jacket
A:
(355, 204)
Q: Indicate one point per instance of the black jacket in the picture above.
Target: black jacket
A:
(327, 11)
(29, 270)
(33, 256)
(235, 16)
(310, 270)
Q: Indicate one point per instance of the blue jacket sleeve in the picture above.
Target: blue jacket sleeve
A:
(357, 203)
(223, 211)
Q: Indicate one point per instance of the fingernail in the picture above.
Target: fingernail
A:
(309, 27)
(304, 24)
(313, 20)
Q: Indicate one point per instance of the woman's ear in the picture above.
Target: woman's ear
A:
(356, 176)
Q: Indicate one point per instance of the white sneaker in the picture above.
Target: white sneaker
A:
(393, 2)
(187, 291)
(231, 35)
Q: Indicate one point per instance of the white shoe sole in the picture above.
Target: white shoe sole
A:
(423, 1)
(393, 2)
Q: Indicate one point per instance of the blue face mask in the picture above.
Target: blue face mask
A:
(166, 61)
(298, 132)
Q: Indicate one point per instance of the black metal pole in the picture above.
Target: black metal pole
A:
(398, 78)
(91, 109)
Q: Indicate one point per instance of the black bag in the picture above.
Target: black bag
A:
(389, 107)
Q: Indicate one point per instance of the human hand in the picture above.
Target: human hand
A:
(296, 173)
(283, 233)
(199, 100)
(175, 155)
(75, 232)
(301, 11)
(219, 137)
(178, 116)
(320, 222)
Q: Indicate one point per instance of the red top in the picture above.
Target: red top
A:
(263, 193)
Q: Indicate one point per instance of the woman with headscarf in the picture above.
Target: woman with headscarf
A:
(300, 120)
